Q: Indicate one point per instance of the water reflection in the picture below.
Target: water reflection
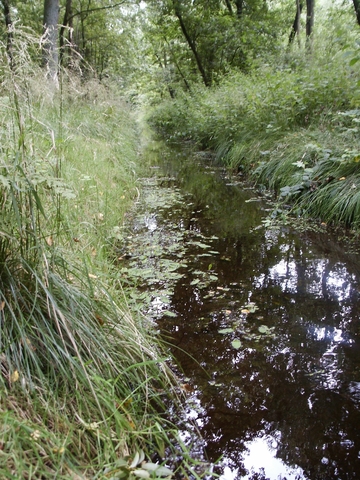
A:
(287, 400)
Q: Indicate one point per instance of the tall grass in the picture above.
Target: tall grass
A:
(83, 382)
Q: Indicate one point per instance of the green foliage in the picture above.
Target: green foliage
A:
(202, 41)
(292, 125)
(83, 382)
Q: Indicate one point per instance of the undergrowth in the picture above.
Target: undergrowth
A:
(84, 384)
(291, 126)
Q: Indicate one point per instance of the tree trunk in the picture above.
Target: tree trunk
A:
(295, 30)
(9, 33)
(191, 44)
(50, 49)
(229, 7)
(67, 22)
(239, 7)
(357, 10)
(309, 22)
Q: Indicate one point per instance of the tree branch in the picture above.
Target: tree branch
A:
(91, 10)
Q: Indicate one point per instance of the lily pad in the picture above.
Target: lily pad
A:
(251, 307)
(236, 343)
(226, 330)
(264, 329)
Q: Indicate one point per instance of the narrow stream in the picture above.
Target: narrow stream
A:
(264, 323)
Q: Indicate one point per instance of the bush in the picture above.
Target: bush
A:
(277, 125)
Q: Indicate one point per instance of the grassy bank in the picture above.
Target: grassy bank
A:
(291, 126)
(83, 382)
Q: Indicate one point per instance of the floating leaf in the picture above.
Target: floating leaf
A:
(167, 313)
(251, 307)
(223, 331)
(236, 343)
(199, 244)
(187, 387)
(264, 329)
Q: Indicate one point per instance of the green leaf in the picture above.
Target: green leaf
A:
(213, 277)
(5, 181)
(158, 469)
(252, 307)
(199, 244)
(353, 61)
(236, 343)
(140, 473)
(226, 330)
(121, 462)
(264, 329)
(164, 472)
(150, 466)
(135, 460)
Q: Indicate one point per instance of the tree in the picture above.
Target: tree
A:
(50, 37)
(208, 38)
(191, 40)
(67, 22)
(9, 33)
(309, 22)
(295, 29)
(357, 10)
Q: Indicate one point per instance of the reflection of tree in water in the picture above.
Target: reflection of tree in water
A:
(297, 385)
(303, 387)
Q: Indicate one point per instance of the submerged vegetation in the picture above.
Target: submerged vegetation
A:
(84, 380)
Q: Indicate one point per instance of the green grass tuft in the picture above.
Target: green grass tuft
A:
(84, 381)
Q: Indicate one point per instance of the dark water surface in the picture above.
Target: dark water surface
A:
(270, 318)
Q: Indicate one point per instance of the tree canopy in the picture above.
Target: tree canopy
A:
(173, 43)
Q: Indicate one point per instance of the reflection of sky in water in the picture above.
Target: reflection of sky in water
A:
(262, 454)
(336, 282)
